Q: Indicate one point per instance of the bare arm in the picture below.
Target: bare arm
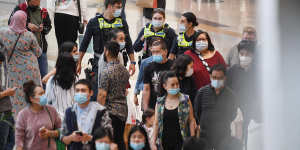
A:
(81, 54)
(155, 130)
(47, 76)
(192, 121)
(146, 96)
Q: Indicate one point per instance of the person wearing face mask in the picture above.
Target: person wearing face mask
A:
(139, 86)
(183, 66)
(174, 115)
(152, 73)
(249, 34)
(112, 91)
(39, 23)
(99, 29)
(103, 140)
(243, 80)
(83, 118)
(138, 139)
(157, 28)
(215, 108)
(147, 12)
(60, 86)
(37, 125)
(184, 42)
(205, 56)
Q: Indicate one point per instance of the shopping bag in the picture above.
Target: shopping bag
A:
(146, 3)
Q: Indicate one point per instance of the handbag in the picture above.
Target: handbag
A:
(13, 50)
(146, 3)
(59, 144)
(80, 24)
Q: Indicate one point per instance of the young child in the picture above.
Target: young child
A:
(147, 121)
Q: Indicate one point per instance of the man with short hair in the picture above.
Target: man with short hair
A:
(39, 23)
(112, 91)
(249, 34)
(215, 108)
(152, 73)
(83, 118)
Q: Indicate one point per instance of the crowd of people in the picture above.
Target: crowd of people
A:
(191, 95)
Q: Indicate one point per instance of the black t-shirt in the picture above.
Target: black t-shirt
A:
(151, 76)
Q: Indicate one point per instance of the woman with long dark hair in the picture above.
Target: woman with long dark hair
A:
(60, 87)
(205, 56)
(183, 67)
(138, 139)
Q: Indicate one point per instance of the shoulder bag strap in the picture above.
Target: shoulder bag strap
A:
(79, 10)
(205, 64)
(13, 50)
(51, 123)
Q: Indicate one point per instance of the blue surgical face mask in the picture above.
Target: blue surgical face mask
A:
(157, 23)
(117, 13)
(217, 83)
(80, 98)
(76, 57)
(157, 58)
(122, 45)
(137, 146)
(43, 100)
(173, 91)
(102, 146)
(181, 28)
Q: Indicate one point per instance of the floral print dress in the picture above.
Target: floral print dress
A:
(23, 65)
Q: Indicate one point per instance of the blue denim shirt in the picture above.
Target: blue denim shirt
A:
(139, 86)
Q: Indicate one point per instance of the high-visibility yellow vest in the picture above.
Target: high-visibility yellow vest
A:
(149, 33)
(182, 41)
(104, 25)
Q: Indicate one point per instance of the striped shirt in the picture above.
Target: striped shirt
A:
(58, 97)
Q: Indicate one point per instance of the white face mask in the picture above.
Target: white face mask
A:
(181, 28)
(201, 45)
(157, 23)
(245, 61)
(189, 73)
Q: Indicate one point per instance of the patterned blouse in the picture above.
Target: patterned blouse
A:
(114, 80)
(183, 114)
(23, 65)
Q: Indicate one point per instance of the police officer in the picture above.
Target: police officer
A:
(98, 28)
(184, 42)
(158, 28)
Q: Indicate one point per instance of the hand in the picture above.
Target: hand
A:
(33, 27)
(172, 56)
(113, 146)
(142, 38)
(75, 137)
(136, 100)
(78, 71)
(41, 28)
(132, 69)
(44, 133)
(86, 137)
(85, 22)
(9, 92)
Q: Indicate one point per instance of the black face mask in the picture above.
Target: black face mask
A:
(33, 8)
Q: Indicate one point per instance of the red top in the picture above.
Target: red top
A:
(201, 75)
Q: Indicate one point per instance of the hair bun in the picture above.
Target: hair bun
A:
(27, 86)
